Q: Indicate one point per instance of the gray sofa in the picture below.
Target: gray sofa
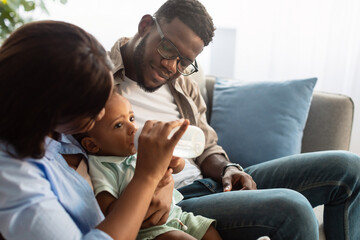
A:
(328, 126)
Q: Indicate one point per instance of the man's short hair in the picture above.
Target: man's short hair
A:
(190, 12)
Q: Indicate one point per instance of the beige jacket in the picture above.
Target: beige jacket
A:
(187, 97)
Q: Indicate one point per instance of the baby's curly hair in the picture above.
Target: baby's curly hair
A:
(190, 12)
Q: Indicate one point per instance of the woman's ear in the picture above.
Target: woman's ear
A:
(90, 145)
(145, 24)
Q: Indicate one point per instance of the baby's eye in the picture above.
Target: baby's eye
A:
(132, 119)
(118, 125)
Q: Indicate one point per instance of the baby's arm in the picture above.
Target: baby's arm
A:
(106, 202)
(177, 164)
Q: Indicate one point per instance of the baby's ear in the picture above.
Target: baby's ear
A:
(90, 145)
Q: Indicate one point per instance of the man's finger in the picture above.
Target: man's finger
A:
(227, 186)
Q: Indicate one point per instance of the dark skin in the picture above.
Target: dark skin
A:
(156, 71)
(233, 179)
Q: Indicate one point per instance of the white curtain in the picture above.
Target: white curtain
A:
(292, 39)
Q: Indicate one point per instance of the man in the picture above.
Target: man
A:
(153, 70)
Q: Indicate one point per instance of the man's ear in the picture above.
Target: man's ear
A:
(145, 24)
(90, 145)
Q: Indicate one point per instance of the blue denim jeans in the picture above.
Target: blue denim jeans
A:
(288, 189)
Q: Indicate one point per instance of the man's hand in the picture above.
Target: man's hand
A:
(159, 208)
(234, 179)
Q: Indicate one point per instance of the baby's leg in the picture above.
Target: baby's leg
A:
(175, 235)
(211, 234)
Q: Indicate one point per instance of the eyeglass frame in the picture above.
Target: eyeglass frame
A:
(179, 56)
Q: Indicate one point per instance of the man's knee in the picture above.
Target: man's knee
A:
(294, 206)
(296, 212)
(346, 166)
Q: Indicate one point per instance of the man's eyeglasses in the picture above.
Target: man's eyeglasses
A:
(167, 50)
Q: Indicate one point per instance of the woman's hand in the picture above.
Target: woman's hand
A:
(155, 148)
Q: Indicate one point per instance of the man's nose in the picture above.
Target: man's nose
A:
(170, 65)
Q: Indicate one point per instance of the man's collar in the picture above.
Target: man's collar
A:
(116, 58)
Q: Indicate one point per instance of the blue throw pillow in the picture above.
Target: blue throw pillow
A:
(260, 121)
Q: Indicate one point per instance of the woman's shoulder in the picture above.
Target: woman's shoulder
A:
(11, 165)
(19, 179)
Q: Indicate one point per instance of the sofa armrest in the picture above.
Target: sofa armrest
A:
(329, 123)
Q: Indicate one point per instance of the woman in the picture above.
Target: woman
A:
(54, 80)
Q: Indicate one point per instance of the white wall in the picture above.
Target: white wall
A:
(223, 51)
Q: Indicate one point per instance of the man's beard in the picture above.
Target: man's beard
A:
(140, 66)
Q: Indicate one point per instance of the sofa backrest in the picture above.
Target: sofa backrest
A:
(329, 123)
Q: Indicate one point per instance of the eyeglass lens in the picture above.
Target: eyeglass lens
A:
(168, 51)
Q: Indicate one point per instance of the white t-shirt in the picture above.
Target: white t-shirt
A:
(158, 105)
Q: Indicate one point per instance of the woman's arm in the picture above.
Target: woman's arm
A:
(160, 205)
(34, 204)
(128, 212)
(158, 211)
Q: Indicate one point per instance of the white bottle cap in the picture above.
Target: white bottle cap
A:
(191, 144)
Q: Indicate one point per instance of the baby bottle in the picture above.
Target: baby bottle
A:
(191, 144)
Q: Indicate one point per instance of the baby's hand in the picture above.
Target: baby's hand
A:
(177, 164)
(167, 179)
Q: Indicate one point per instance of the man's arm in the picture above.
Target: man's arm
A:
(213, 165)
(213, 160)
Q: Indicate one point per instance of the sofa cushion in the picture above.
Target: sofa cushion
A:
(257, 122)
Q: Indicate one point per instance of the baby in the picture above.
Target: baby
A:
(112, 159)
